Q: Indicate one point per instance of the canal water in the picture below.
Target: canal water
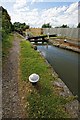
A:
(65, 63)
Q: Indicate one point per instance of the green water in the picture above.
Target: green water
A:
(65, 63)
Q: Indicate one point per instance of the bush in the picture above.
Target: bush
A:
(6, 22)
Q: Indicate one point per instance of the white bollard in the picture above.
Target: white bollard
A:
(34, 78)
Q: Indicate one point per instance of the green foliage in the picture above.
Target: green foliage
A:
(20, 27)
(78, 25)
(46, 25)
(6, 22)
(45, 106)
(41, 100)
(63, 26)
(6, 45)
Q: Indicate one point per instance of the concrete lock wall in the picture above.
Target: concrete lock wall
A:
(70, 33)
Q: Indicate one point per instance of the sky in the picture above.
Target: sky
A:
(37, 12)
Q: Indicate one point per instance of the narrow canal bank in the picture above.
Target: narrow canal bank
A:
(47, 90)
(66, 44)
(64, 58)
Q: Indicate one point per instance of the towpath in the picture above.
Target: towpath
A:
(11, 104)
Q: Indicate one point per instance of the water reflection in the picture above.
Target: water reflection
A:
(65, 63)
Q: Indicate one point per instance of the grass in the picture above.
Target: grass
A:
(58, 37)
(6, 45)
(41, 100)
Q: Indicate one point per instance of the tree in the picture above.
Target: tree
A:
(63, 26)
(20, 27)
(46, 25)
(78, 25)
(6, 22)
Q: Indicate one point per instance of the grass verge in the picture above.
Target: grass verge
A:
(41, 100)
(6, 45)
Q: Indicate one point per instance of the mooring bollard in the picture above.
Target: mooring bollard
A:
(34, 78)
(65, 40)
(48, 35)
(35, 47)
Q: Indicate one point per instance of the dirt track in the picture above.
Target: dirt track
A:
(11, 104)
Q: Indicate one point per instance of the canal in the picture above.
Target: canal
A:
(65, 63)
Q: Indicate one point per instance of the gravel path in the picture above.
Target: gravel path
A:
(11, 105)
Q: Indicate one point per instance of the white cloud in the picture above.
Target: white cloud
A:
(19, 4)
(0, 3)
(72, 8)
(56, 16)
(33, 1)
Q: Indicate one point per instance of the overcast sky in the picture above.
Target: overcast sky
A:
(37, 12)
